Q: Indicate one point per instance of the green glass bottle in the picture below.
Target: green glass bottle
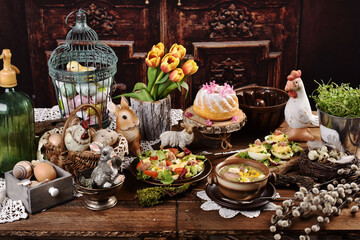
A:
(17, 136)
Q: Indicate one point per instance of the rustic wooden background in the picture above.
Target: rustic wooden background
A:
(319, 37)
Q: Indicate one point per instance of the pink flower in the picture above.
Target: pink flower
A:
(208, 122)
(188, 114)
(226, 89)
(211, 87)
(234, 118)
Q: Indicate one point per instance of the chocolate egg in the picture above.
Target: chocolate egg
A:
(44, 170)
(22, 170)
(55, 139)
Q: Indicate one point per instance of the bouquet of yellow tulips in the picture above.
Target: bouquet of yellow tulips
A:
(165, 73)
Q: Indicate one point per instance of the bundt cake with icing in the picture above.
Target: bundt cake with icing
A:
(215, 102)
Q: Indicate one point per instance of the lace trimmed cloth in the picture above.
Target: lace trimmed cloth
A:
(10, 210)
(210, 205)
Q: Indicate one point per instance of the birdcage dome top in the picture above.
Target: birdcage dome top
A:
(82, 50)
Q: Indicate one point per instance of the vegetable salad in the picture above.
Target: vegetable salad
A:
(169, 165)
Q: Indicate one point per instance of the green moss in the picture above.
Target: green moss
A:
(151, 196)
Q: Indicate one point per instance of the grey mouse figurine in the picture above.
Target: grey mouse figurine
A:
(106, 173)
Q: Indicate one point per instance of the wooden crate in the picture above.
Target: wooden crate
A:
(38, 198)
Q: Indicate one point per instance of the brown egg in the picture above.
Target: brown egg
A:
(33, 183)
(44, 170)
(55, 139)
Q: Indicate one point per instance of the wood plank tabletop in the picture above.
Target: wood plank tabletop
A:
(179, 217)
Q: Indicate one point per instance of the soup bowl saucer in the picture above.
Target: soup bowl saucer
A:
(241, 190)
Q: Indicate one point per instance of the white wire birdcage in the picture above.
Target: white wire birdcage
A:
(82, 71)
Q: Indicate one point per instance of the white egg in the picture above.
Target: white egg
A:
(259, 156)
(268, 139)
(105, 83)
(101, 96)
(282, 156)
(86, 89)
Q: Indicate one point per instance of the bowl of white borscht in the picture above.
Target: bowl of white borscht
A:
(240, 179)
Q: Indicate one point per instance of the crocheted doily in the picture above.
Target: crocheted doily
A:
(210, 205)
(10, 210)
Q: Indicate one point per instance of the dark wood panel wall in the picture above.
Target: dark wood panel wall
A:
(239, 42)
(330, 42)
(14, 35)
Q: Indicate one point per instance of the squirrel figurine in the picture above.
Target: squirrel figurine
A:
(127, 124)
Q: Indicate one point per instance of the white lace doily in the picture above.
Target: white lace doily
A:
(10, 210)
(210, 205)
(44, 114)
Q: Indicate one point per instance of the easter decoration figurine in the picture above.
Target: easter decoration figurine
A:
(77, 137)
(74, 66)
(106, 173)
(100, 184)
(178, 138)
(127, 124)
(82, 71)
(298, 113)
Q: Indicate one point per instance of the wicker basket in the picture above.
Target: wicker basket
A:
(73, 161)
(321, 171)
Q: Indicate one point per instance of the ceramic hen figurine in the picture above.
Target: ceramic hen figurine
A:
(298, 113)
(104, 174)
(77, 137)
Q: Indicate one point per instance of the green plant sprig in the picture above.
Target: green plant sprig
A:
(151, 196)
(340, 101)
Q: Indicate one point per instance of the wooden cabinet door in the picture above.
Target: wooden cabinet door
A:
(130, 27)
(238, 42)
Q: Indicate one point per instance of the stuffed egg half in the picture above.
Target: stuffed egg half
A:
(277, 136)
(282, 150)
(258, 151)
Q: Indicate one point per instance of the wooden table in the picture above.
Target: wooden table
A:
(180, 217)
